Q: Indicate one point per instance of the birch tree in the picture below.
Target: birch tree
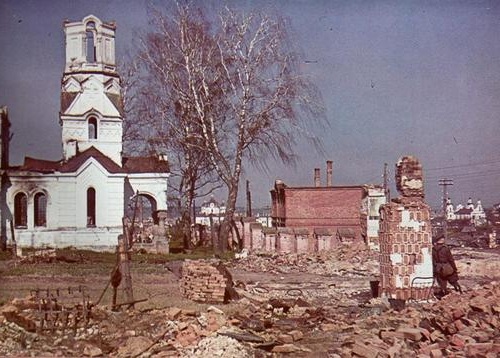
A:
(238, 86)
(160, 111)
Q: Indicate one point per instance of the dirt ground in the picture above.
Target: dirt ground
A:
(323, 302)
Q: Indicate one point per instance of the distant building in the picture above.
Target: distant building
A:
(81, 199)
(471, 213)
(211, 212)
(263, 216)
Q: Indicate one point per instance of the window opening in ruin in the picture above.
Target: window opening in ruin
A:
(20, 210)
(413, 259)
(40, 209)
(92, 128)
(91, 50)
(90, 207)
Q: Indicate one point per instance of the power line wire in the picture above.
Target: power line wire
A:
(485, 173)
(462, 165)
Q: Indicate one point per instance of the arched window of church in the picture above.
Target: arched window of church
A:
(40, 209)
(20, 210)
(92, 128)
(91, 50)
(91, 207)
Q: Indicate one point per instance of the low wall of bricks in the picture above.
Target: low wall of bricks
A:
(289, 240)
(205, 281)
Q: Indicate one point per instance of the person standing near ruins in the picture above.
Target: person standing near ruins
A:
(445, 269)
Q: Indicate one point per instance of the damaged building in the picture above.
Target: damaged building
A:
(319, 217)
(80, 200)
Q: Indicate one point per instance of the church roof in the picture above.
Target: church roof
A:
(145, 164)
(464, 211)
(39, 165)
(77, 161)
(66, 99)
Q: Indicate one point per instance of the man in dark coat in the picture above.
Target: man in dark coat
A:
(441, 257)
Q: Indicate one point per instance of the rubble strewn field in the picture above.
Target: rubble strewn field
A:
(297, 305)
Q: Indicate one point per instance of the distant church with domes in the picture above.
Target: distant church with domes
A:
(80, 200)
(470, 212)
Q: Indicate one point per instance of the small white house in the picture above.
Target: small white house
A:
(81, 199)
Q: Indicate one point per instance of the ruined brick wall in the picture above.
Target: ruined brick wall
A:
(406, 237)
(303, 241)
(256, 239)
(409, 177)
(285, 241)
(270, 243)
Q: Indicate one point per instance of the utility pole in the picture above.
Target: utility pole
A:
(387, 192)
(445, 183)
(249, 200)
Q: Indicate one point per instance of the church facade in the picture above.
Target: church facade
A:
(81, 200)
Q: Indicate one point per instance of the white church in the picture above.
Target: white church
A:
(80, 200)
(475, 214)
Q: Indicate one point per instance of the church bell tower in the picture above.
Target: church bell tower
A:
(91, 105)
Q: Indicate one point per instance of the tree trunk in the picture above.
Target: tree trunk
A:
(225, 231)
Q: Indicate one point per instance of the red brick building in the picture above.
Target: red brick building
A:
(340, 209)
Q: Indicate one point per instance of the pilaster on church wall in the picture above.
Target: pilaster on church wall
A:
(113, 205)
(67, 204)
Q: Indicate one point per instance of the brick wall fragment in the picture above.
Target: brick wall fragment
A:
(405, 237)
(206, 281)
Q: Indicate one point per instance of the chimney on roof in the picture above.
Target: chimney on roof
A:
(329, 173)
(317, 178)
(71, 149)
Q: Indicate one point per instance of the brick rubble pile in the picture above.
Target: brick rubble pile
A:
(205, 281)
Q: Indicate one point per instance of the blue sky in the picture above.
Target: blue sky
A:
(397, 78)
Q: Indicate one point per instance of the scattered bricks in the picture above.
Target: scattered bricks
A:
(362, 350)
(385, 334)
(475, 349)
(173, 313)
(436, 353)
(296, 335)
(479, 305)
(285, 338)
(457, 341)
(12, 314)
(327, 327)
(451, 329)
(414, 334)
(425, 333)
(187, 336)
(286, 348)
(481, 336)
(395, 350)
(459, 325)
(435, 335)
(427, 349)
(458, 313)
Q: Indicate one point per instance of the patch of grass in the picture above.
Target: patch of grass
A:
(58, 269)
(73, 262)
(75, 255)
